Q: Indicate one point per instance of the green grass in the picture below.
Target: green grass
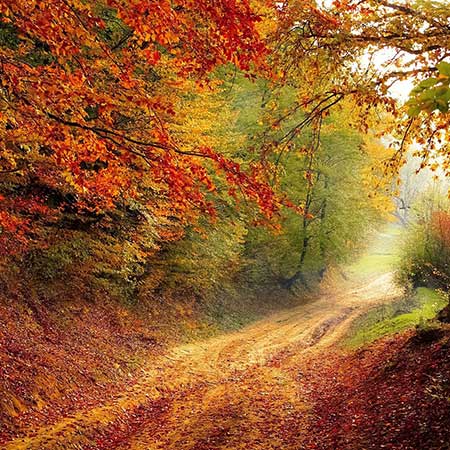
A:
(396, 317)
(381, 255)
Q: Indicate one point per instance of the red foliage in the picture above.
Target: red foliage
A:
(392, 395)
(440, 223)
(119, 432)
(41, 381)
(16, 222)
(89, 99)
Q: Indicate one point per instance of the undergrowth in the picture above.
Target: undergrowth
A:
(393, 318)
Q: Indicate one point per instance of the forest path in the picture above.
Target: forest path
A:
(250, 395)
(241, 390)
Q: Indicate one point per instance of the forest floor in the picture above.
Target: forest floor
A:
(283, 383)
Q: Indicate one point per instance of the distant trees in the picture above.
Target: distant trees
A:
(329, 169)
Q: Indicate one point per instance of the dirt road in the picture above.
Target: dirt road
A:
(236, 391)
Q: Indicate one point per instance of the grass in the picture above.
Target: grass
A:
(396, 317)
(382, 254)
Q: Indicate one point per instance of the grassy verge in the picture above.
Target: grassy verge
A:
(396, 317)
(381, 255)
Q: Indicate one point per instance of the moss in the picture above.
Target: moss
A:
(391, 319)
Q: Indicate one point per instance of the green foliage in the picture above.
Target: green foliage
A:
(10, 39)
(52, 263)
(432, 93)
(425, 256)
(8, 36)
(329, 181)
(115, 32)
(205, 261)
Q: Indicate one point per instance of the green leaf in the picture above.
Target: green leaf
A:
(414, 111)
(444, 68)
(429, 94)
(441, 91)
(442, 105)
(429, 82)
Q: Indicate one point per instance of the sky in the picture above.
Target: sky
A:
(401, 89)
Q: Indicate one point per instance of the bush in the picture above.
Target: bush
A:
(426, 251)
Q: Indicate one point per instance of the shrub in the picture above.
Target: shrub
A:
(426, 250)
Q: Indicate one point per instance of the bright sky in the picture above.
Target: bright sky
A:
(400, 89)
(381, 61)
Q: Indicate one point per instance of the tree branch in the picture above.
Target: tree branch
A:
(107, 133)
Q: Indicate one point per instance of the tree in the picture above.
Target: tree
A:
(330, 169)
(88, 106)
(360, 49)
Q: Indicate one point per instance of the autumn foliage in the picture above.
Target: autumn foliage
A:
(426, 247)
(389, 395)
(89, 93)
(440, 224)
(141, 142)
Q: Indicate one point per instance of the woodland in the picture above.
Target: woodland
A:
(224, 224)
